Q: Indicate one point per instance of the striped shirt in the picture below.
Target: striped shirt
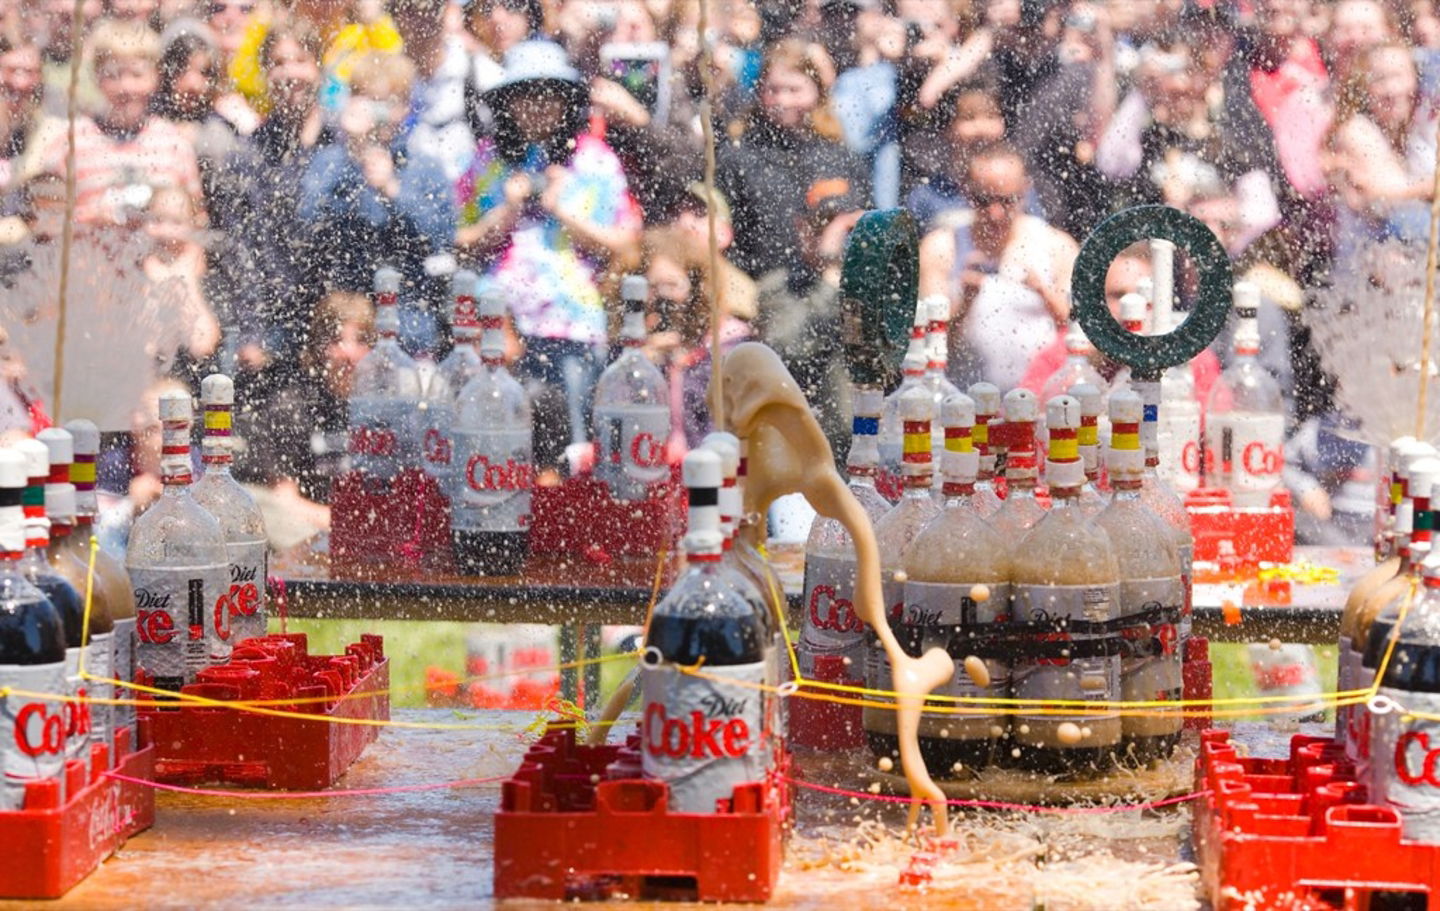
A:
(109, 167)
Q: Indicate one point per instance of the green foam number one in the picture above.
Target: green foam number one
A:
(1148, 355)
(879, 284)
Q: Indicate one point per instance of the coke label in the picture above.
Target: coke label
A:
(437, 445)
(1178, 437)
(1070, 673)
(176, 633)
(242, 614)
(122, 663)
(32, 732)
(77, 714)
(383, 436)
(1405, 764)
(1251, 451)
(99, 655)
(1150, 659)
(702, 735)
(948, 611)
(495, 478)
(630, 450)
(830, 625)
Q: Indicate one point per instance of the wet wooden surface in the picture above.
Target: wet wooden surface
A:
(433, 849)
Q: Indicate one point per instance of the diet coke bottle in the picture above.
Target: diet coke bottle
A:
(632, 407)
(490, 494)
(32, 656)
(178, 564)
(1245, 417)
(437, 448)
(703, 730)
(246, 543)
(384, 405)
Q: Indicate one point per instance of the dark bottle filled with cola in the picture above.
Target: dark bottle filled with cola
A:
(32, 656)
(703, 730)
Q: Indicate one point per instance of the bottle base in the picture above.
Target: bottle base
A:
(490, 553)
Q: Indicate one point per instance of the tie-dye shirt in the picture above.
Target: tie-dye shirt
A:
(548, 281)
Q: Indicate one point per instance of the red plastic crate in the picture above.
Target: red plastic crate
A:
(1296, 833)
(566, 831)
(48, 847)
(203, 743)
(578, 516)
(389, 531)
(1241, 537)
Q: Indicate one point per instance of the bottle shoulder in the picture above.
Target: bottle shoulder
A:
(1065, 549)
(231, 505)
(175, 531)
(958, 547)
(1143, 543)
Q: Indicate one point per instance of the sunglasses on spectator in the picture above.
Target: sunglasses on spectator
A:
(984, 200)
(222, 7)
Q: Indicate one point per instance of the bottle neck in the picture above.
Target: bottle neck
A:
(1063, 497)
(957, 493)
(916, 455)
(215, 448)
(632, 328)
(175, 453)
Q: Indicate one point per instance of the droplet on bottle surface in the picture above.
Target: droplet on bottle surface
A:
(885, 764)
(901, 576)
(977, 669)
(1069, 733)
(980, 593)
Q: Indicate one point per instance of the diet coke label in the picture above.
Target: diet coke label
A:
(98, 668)
(703, 735)
(1150, 667)
(384, 436)
(1405, 764)
(830, 625)
(630, 449)
(176, 632)
(437, 445)
(77, 714)
(243, 614)
(32, 731)
(495, 478)
(1062, 661)
(1251, 453)
(947, 612)
(122, 665)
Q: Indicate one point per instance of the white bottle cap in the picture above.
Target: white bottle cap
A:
(86, 436)
(59, 443)
(868, 402)
(1125, 455)
(217, 389)
(387, 280)
(12, 518)
(727, 447)
(1020, 406)
(917, 404)
(957, 410)
(1133, 308)
(1424, 475)
(703, 474)
(986, 397)
(463, 283)
(635, 288)
(36, 455)
(936, 307)
(960, 461)
(1089, 398)
(492, 303)
(1063, 467)
(1246, 298)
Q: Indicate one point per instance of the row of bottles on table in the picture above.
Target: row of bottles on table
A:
(471, 425)
(1087, 600)
(47, 551)
(1236, 441)
(1391, 629)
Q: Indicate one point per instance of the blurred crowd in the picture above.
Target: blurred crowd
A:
(269, 154)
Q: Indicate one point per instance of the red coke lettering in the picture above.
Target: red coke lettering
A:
(155, 627)
(645, 452)
(695, 737)
(77, 716)
(37, 731)
(1427, 772)
(832, 613)
(483, 475)
(375, 441)
(1258, 459)
(438, 449)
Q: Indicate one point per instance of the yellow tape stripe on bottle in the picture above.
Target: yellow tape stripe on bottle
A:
(1088, 434)
(217, 419)
(958, 440)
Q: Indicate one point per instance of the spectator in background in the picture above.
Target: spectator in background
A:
(1331, 477)
(787, 142)
(439, 127)
(690, 222)
(799, 304)
(123, 154)
(375, 204)
(189, 85)
(53, 21)
(545, 210)
(176, 266)
(20, 92)
(1006, 274)
(977, 123)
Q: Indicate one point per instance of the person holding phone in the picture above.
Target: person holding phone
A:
(545, 210)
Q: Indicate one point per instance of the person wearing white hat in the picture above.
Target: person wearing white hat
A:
(544, 209)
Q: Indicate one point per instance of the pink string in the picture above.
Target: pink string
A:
(1002, 805)
(299, 795)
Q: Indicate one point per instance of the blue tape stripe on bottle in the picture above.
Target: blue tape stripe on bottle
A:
(1152, 412)
(865, 426)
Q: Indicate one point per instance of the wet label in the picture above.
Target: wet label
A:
(491, 489)
(877, 663)
(1405, 764)
(830, 625)
(122, 663)
(952, 619)
(77, 714)
(630, 448)
(99, 656)
(32, 731)
(1187, 581)
(174, 620)
(437, 443)
(703, 735)
(1067, 666)
(1249, 450)
(243, 615)
(1150, 668)
(384, 436)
